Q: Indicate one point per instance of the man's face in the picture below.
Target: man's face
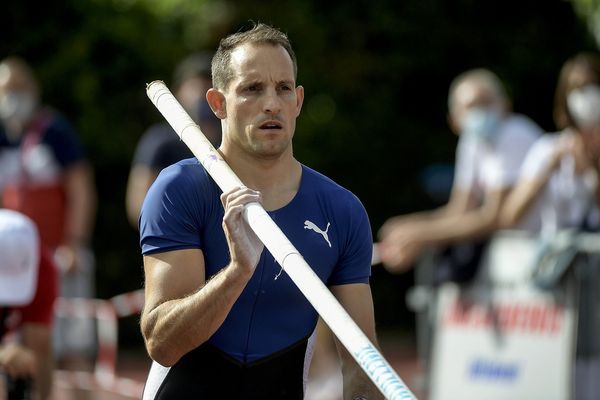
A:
(262, 101)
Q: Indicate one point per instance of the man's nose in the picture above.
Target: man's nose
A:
(272, 102)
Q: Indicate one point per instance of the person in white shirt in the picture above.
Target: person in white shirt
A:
(558, 187)
(492, 145)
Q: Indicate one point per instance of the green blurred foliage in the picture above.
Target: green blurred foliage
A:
(589, 10)
(376, 75)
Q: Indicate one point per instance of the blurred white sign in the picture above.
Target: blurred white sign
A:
(506, 343)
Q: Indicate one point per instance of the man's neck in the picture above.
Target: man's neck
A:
(278, 179)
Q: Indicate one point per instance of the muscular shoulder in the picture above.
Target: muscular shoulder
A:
(343, 206)
(350, 228)
(179, 202)
(186, 179)
(326, 189)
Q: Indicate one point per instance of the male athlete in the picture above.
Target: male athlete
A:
(220, 321)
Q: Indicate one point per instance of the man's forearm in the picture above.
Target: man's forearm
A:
(178, 326)
(358, 386)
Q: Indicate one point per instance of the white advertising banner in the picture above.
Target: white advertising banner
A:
(502, 343)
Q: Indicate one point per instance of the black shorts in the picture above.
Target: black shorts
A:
(208, 373)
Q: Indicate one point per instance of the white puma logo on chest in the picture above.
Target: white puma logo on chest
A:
(310, 225)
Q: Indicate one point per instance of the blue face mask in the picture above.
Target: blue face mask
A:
(481, 123)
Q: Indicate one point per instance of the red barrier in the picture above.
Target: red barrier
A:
(106, 314)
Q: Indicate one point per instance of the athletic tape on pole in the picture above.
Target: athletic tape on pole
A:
(338, 320)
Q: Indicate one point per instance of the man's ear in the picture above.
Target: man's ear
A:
(299, 99)
(216, 101)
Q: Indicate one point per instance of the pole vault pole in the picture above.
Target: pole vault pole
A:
(292, 262)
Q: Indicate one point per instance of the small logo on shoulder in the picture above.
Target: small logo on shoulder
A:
(311, 225)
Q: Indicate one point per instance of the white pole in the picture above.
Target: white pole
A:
(338, 320)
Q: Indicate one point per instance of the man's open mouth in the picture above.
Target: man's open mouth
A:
(270, 125)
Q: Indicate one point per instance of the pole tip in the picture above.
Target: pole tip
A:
(153, 82)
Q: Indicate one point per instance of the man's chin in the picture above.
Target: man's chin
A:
(270, 150)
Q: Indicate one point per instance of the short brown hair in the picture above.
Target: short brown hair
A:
(259, 34)
(587, 64)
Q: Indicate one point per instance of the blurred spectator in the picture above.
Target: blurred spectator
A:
(492, 145)
(44, 175)
(28, 288)
(558, 187)
(160, 146)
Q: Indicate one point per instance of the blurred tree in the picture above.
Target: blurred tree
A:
(590, 11)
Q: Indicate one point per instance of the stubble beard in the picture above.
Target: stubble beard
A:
(269, 149)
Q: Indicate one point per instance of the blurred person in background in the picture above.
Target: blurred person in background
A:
(493, 142)
(559, 189)
(28, 289)
(44, 174)
(160, 146)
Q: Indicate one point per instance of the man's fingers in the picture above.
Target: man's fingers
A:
(239, 195)
(232, 212)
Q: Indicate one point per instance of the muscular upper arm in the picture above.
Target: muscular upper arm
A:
(357, 300)
(171, 275)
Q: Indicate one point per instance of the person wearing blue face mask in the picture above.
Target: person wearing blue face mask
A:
(493, 142)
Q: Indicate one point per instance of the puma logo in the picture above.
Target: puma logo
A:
(312, 226)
